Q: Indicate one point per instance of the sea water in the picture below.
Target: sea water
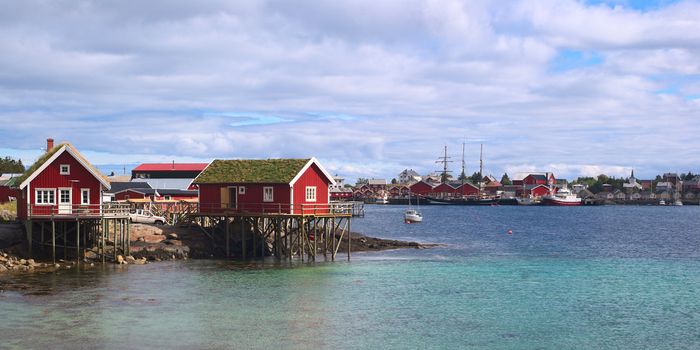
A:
(505, 278)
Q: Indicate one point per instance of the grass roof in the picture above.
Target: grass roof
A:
(251, 171)
(46, 156)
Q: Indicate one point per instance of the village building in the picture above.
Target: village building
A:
(632, 185)
(8, 190)
(408, 176)
(664, 186)
(692, 185)
(619, 195)
(153, 194)
(585, 194)
(673, 178)
(168, 175)
(119, 186)
(467, 189)
(546, 178)
(577, 188)
(421, 188)
(294, 186)
(339, 191)
(647, 195)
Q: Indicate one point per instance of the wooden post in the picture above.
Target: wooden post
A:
(333, 238)
(28, 227)
(243, 237)
(349, 239)
(114, 229)
(315, 230)
(42, 235)
(128, 236)
(228, 229)
(277, 238)
(255, 234)
(77, 240)
(53, 240)
(303, 234)
(65, 241)
(103, 235)
(325, 237)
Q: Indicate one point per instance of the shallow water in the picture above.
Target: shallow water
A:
(566, 278)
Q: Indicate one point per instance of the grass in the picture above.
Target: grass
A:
(11, 207)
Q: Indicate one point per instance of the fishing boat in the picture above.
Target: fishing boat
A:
(527, 200)
(662, 202)
(678, 203)
(411, 215)
(462, 201)
(563, 197)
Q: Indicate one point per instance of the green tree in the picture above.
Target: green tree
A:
(361, 181)
(9, 165)
(505, 180)
(475, 178)
(393, 181)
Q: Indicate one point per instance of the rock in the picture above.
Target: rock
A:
(172, 236)
(90, 255)
(130, 260)
(140, 261)
(2, 258)
(31, 262)
(141, 239)
(22, 262)
(120, 260)
(57, 266)
(3, 268)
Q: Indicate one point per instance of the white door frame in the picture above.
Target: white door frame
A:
(65, 208)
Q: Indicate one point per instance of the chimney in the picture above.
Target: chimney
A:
(49, 144)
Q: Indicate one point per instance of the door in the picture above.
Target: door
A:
(65, 200)
(232, 197)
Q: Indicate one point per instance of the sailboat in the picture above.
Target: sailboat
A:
(412, 215)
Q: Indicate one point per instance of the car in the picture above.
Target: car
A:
(145, 217)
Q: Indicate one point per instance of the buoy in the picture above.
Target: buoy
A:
(510, 232)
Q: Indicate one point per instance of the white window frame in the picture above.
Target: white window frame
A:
(82, 196)
(310, 193)
(60, 169)
(271, 198)
(241, 189)
(44, 191)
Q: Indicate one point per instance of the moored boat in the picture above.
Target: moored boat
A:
(563, 197)
(412, 216)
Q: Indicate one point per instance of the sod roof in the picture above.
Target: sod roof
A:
(251, 171)
(46, 156)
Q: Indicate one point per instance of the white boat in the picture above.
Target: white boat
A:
(662, 202)
(412, 215)
(527, 200)
(678, 203)
(383, 200)
(563, 197)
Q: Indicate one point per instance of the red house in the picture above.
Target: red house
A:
(536, 179)
(468, 189)
(295, 186)
(444, 190)
(8, 192)
(61, 183)
(421, 188)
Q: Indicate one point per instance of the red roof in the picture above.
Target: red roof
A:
(171, 167)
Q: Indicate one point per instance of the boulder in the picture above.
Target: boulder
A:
(2, 259)
(172, 236)
(120, 260)
(140, 261)
(22, 262)
(57, 265)
(31, 262)
(90, 255)
(3, 268)
(130, 259)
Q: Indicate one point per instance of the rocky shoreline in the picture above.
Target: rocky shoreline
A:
(157, 243)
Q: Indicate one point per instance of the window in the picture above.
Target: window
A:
(85, 196)
(167, 198)
(65, 169)
(310, 193)
(267, 194)
(241, 190)
(45, 197)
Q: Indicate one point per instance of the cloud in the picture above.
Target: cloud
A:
(368, 87)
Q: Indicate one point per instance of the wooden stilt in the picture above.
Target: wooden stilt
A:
(255, 236)
(228, 231)
(77, 240)
(114, 230)
(42, 233)
(53, 240)
(103, 239)
(28, 227)
(333, 237)
(303, 234)
(349, 239)
(128, 236)
(65, 241)
(243, 245)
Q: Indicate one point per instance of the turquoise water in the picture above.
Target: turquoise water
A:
(567, 278)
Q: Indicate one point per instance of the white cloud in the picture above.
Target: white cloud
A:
(174, 78)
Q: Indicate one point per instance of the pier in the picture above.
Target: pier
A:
(305, 231)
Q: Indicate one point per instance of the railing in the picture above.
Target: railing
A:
(79, 210)
(334, 208)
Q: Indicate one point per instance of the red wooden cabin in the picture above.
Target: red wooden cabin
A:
(444, 190)
(421, 188)
(61, 183)
(292, 186)
(468, 189)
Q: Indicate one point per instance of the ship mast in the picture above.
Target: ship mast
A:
(481, 168)
(444, 160)
(463, 175)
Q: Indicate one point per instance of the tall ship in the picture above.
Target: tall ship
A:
(563, 197)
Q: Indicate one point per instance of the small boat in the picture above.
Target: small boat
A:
(662, 202)
(527, 200)
(412, 215)
(563, 197)
(678, 203)
(461, 201)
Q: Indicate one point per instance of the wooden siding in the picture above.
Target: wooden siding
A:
(312, 177)
(50, 178)
(212, 201)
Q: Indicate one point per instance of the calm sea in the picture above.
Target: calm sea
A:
(566, 278)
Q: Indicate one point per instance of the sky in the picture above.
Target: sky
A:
(368, 87)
